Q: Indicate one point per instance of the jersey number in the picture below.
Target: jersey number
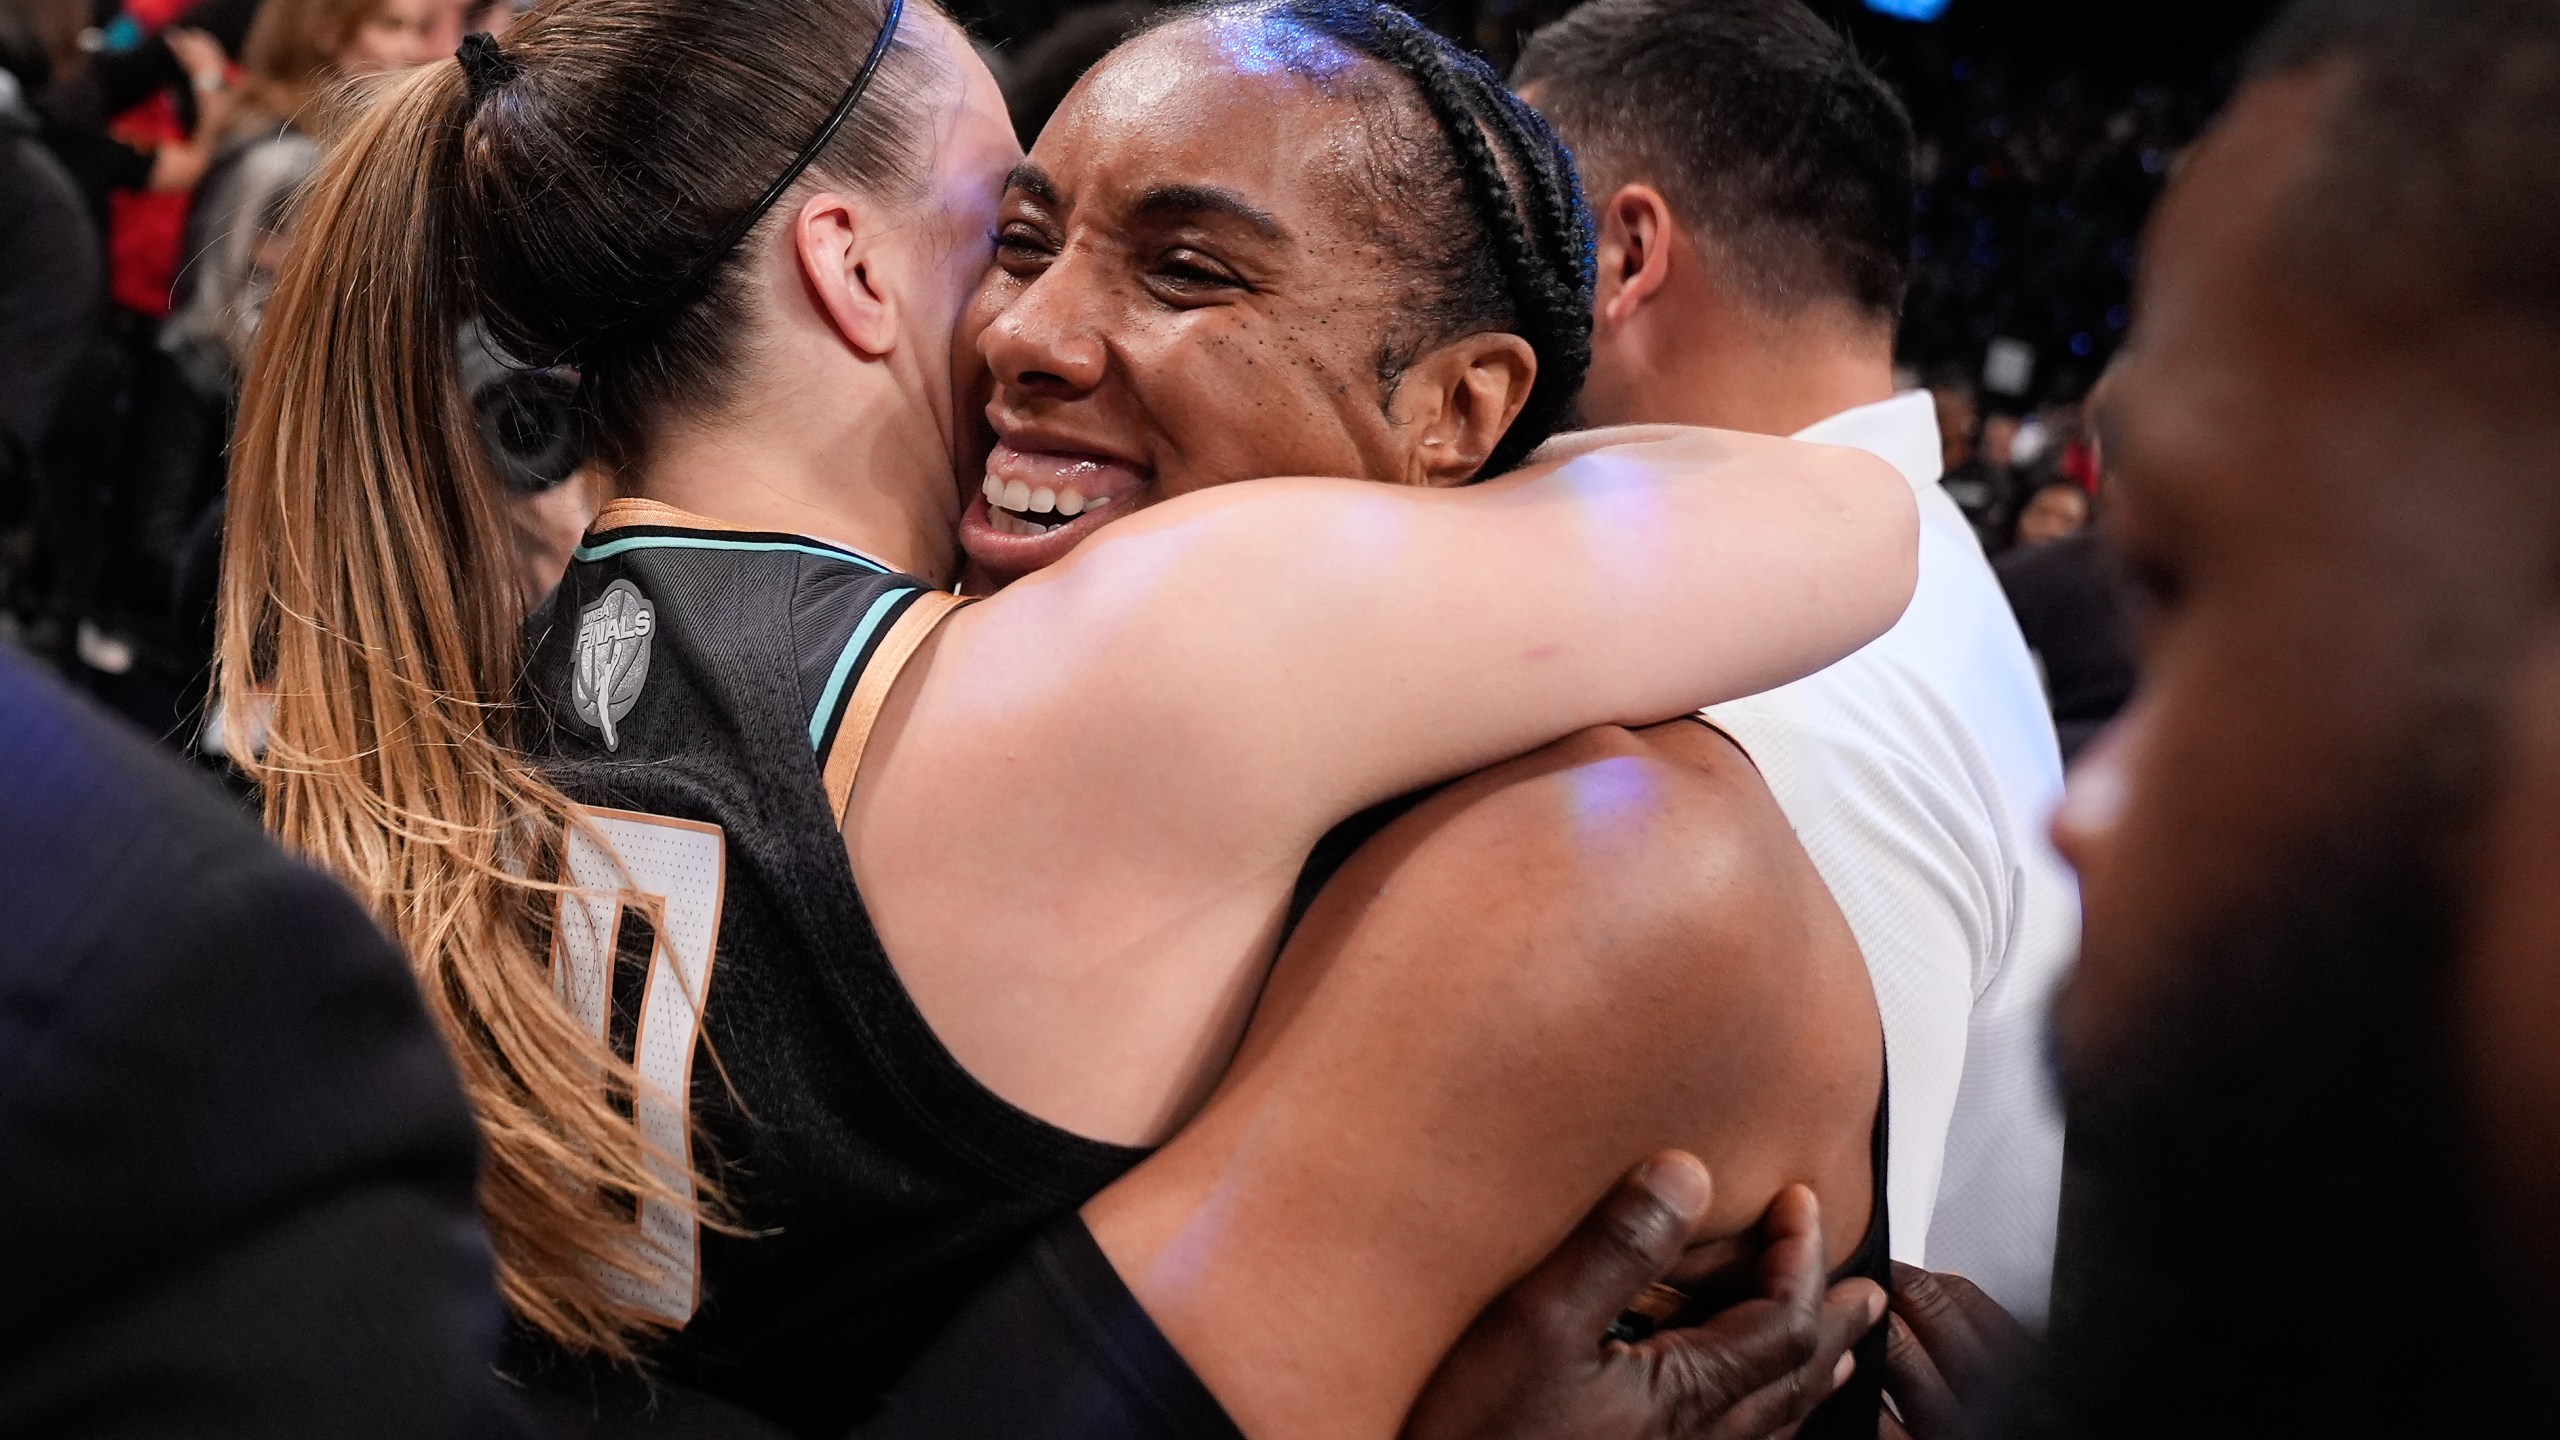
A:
(670, 874)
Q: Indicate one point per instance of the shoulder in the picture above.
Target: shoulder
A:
(1668, 833)
(93, 818)
(221, 1025)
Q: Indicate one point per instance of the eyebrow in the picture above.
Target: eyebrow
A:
(1170, 201)
(1034, 181)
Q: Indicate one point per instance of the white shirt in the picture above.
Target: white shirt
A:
(1920, 773)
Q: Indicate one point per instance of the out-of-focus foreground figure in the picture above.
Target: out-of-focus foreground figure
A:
(2312, 1089)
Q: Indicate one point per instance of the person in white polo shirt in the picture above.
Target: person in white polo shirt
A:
(1753, 184)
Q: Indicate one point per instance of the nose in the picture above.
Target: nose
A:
(1047, 341)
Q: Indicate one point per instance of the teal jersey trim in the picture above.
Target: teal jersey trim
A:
(853, 649)
(611, 548)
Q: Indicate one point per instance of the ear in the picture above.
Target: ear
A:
(841, 262)
(1636, 227)
(1456, 403)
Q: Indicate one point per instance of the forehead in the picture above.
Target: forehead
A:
(2228, 361)
(1248, 103)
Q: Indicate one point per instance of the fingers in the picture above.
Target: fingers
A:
(1784, 1360)
(2000, 1329)
(1791, 1264)
(1918, 1389)
(1630, 1240)
(1969, 1339)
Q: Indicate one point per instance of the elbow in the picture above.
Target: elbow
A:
(1881, 517)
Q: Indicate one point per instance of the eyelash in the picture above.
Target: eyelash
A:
(1188, 273)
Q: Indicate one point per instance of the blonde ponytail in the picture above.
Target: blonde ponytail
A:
(370, 609)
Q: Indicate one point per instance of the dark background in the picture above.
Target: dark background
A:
(2047, 129)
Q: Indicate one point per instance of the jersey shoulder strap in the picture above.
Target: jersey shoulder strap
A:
(840, 760)
(856, 624)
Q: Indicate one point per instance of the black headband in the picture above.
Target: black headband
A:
(790, 176)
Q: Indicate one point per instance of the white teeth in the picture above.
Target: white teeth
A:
(1043, 500)
(994, 490)
(1071, 501)
(1017, 496)
(1096, 503)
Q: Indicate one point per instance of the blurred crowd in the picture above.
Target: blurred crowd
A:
(150, 153)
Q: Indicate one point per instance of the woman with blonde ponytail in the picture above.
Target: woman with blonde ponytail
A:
(806, 939)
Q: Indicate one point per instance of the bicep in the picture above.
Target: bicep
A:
(1298, 649)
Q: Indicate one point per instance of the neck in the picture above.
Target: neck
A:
(1768, 380)
(864, 469)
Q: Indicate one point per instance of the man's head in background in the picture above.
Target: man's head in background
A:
(1753, 186)
(2309, 1049)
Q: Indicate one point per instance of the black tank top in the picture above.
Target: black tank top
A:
(705, 691)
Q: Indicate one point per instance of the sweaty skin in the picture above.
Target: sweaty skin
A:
(1539, 976)
(1081, 815)
(1553, 967)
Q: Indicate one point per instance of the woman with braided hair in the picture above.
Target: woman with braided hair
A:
(806, 940)
(1231, 244)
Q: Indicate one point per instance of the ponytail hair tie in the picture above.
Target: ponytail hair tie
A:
(484, 65)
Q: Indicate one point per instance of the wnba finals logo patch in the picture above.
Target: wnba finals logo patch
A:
(613, 657)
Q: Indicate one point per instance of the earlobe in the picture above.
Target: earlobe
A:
(839, 270)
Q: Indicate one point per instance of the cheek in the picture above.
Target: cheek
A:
(1240, 412)
(2246, 737)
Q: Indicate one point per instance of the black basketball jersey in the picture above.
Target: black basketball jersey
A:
(705, 691)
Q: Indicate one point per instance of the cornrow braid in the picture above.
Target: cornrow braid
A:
(1545, 248)
(1520, 192)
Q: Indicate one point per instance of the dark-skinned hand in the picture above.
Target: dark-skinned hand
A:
(1950, 1353)
(1537, 1363)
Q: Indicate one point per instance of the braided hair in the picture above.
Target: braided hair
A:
(1519, 254)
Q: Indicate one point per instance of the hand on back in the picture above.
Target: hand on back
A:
(1539, 1363)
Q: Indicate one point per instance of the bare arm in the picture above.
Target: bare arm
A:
(1542, 974)
(1309, 647)
(1080, 816)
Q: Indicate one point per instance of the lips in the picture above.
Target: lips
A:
(1037, 501)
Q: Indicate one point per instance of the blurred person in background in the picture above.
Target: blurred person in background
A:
(2078, 622)
(1982, 480)
(129, 182)
(79, 94)
(1959, 410)
(2071, 605)
(1752, 182)
(53, 311)
(2058, 510)
(145, 658)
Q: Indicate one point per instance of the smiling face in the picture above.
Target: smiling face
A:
(1193, 287)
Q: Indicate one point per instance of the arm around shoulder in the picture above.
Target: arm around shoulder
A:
(1348, 641)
